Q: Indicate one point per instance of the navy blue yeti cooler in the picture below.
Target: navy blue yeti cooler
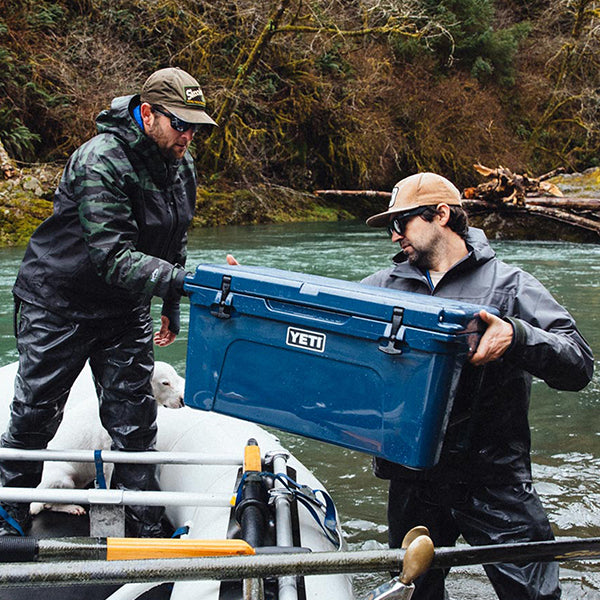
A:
(363, 367)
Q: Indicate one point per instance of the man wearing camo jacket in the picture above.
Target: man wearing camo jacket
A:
(117, 237)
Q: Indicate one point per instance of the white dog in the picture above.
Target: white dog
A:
(81, 429)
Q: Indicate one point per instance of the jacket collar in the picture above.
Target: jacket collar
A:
(479, 252)
(119, 121)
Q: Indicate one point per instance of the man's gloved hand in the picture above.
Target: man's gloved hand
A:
(170, 316)
(171, 311)
(496, 340)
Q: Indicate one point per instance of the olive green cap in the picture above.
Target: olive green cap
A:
(179, 93)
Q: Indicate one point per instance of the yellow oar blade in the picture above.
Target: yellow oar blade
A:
(142, 548)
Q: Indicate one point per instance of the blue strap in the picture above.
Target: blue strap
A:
(330, 521)
(100, 481)
(12, 522)
(308, 497)
(329, 530)
(184, 530)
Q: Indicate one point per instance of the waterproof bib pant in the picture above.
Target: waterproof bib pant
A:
(52, 352)
(482, 515)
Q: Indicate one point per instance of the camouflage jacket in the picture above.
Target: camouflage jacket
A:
(118, 233)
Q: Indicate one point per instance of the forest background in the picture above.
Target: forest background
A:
(308, 94)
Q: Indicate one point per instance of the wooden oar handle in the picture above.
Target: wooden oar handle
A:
(413, 534)
(417, 559)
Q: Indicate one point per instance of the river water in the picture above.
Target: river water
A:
(565, 425)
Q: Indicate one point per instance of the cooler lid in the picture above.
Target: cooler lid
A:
(339, 296)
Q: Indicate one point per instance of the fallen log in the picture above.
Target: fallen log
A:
(582, 213)
(568, 203)
(511, 188)
(565, 217)
(362, 193)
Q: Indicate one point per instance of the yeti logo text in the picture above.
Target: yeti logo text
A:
(310, 340)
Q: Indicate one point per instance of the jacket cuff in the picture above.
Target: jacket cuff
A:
(177, 280)
(519, 334)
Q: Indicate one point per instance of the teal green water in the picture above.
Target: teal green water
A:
(565, 426)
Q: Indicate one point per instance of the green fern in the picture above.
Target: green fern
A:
(17, 139)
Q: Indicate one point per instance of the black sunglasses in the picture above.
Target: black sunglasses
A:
(176, 123)
(398, 223)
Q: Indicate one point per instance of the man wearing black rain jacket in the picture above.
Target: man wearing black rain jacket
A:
(117, 237)
(481, 487)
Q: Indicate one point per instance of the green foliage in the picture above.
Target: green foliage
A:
(332, 62)
(472, 43)
(309, 94)
(498, 50)
(45, 16)
(19, 141)
(482, 69)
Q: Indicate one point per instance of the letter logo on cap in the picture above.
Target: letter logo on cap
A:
(194, 96)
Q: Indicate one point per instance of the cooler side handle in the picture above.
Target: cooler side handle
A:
(221, 307)
(396, 333)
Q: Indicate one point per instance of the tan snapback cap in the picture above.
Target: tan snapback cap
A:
(421, 189)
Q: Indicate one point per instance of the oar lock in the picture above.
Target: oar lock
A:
(417, 559)
(275, 493)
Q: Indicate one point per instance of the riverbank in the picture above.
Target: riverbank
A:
(26, 200)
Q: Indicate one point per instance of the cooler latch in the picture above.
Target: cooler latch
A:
(221, 307)
(396, 334)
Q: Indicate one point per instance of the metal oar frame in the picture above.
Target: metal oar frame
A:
(76, 561)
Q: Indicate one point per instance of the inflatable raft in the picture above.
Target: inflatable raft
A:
(249, 488)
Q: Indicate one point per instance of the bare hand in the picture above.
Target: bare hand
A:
(496, 339)
(165, 336)
(231, 260)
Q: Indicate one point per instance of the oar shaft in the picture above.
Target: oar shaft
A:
(100, 496)
(552, 550)
(243, 567)
(317, 563)
(114, 456)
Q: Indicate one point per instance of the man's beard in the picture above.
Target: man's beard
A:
(159, 138)
(420, 259)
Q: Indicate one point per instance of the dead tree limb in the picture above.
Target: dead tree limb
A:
(579, 212)
(362, 193)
